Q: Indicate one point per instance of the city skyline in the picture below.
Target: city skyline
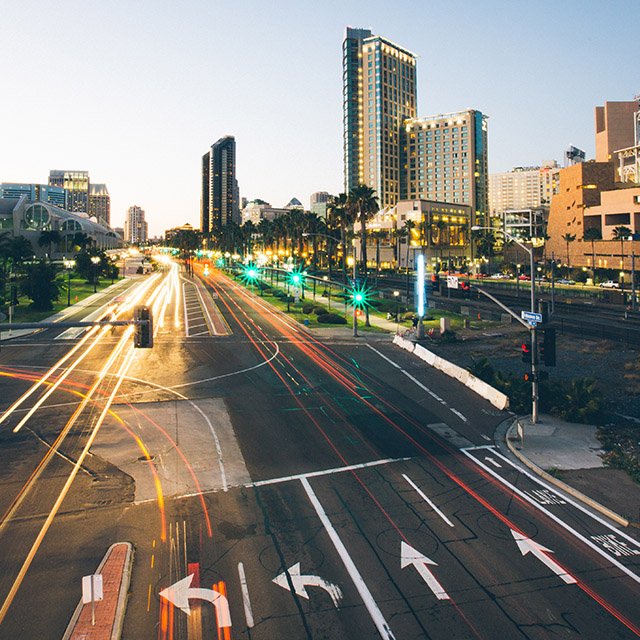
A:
(152, 87)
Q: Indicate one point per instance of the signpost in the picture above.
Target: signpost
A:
(531, 317)
(92, 592)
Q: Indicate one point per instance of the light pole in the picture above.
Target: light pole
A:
(355, 281)
(396, 295)
(96, 261)
(68, 265)
(326, 280)
(533, 330)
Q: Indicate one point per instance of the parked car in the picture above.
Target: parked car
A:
(500, 276)
(609, 284)
(524, 277)
(565, 281)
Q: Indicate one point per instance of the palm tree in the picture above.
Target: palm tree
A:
(49, 237)
(438, 226)
(568, 238)
(621, 233)
(340, 212)
(364, 203)
(591, 235)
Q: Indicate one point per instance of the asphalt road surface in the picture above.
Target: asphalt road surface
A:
(281, 484)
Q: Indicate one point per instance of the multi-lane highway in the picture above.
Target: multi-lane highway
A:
(284, 484)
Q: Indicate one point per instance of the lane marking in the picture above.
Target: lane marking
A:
(246, 602)
(186, 313)
(325, 472)
(462, 417)
(556, 519)
(493, 462)
(389, 360)
(427, 500)
(376, 615)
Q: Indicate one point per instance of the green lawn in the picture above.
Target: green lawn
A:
(80, 289)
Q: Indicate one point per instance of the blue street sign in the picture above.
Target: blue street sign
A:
(531, 317)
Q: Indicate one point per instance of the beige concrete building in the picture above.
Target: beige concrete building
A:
(446, 161)
(523, 188)
(614, 128)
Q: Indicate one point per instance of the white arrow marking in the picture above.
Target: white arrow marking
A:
(493, 462)
(300, 582)
(410, 556)
(527, 545)
(179, 594)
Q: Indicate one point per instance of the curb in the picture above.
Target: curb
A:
(612, 515)
(118, 622)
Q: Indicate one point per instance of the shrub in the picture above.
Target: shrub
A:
(331, 318)
(307, 307)
(278, 293)
(319, 310)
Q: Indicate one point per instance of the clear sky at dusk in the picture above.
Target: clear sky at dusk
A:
(136, 91)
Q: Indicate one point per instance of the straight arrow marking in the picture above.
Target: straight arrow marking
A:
(300, 582)
(410, 556)
(493, 462)
(527, 545)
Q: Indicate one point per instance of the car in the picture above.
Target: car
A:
(500, 276)
(524, 277)
(609, 284)
(565, 281)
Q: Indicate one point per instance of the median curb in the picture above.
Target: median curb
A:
(80, 629)
(509, 440)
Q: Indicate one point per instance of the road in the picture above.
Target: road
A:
(324, 486)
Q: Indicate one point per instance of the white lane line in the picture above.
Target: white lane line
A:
(376, 615)
(325, 472)
(555, 518)
(427, 500)
(416, 381)
(186, 315)
(248, 613)
(568, 499)
(206, 314)
(223, 474)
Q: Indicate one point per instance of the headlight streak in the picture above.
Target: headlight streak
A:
(49, 520)
(431, 457)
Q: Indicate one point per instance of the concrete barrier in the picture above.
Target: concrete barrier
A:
(486, 391)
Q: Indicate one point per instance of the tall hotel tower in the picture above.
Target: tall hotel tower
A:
(379, 94)
(219, 205)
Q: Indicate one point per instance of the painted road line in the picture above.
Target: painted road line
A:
(376, 615)
(462, 417)
(300, 583)
(186, 315)
(389, 360)
(427, 500)
(556, 519)
(325, 472)
(412, 557)
(527, 545)
(248, 612)
(493, 462)
(568, 499)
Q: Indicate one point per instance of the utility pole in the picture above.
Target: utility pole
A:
(634, 304)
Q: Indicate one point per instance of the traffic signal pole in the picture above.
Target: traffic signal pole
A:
(534, 346)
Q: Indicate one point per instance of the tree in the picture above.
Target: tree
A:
(342, 217)
(568, 238)
(437, 231)
(621, 233)
(82, 240)
(49, 237)
(591, 235)
(364, 203)
(41, 285)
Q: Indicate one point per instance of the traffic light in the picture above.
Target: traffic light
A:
(143, 334)
(548, 347)
(525, 348)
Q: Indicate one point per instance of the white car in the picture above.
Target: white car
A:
(609, 284)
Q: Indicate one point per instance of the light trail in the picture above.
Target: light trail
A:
(74, 472)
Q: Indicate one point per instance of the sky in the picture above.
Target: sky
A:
(136, 91)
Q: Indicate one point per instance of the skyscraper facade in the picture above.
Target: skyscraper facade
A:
(76, 184)
(446, 161)
(56, 196)
(220, 198)
(523, 187)
(135, 225)
(379, 94)
(615, 128)
(100, 203)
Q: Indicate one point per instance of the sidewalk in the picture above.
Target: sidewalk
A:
(568, 455)
(115, 569)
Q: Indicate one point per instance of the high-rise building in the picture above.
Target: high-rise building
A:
(446, 161)
(76, 184)
(615, 124)
(219, 204)
(135, 226)
(57, 196)
(523, 188)
(379, 94)
(100, 203)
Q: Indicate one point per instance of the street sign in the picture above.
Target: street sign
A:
(92, 588)
(532, 318)
(453, 282)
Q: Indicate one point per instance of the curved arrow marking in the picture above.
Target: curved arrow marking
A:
(410, 556)
(300, 583)
(527, 545)
(179, 594)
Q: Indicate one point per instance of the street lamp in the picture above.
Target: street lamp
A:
(96, 261)
(534, 333)
(68, 265)
(396, 295)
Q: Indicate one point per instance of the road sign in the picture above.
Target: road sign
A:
(179, 594)
(453, 282)
(92, 588)
(531, 317)
(300, 581)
